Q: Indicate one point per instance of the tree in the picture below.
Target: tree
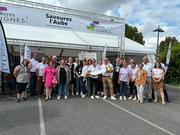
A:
(132, 33)
(173, 73)
(164, 44)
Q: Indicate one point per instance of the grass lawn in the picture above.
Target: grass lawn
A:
(174, 86)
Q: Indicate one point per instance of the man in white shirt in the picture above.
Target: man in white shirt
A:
(33, 79)
(39, 71)
(148, 87)
(107, 72)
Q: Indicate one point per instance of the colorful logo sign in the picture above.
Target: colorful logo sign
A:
(93, 25)
(3, 9)
(96, 27)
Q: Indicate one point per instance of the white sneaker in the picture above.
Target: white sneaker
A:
(130, 98)
(77, 93)
(125, 98)
(59, 97)
(65, 97)
(92, 97)
(120, 98)
(135, 98)
(138, 101)
(155, 101)
(83, 96)
(97, 97)
(163, 103)
(105, 97)
(141, 102)
(113, 98)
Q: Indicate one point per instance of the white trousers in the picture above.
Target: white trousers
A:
(140, 91)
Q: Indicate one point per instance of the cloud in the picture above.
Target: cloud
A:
(147, 15)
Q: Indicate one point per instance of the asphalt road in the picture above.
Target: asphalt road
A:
(77, 116)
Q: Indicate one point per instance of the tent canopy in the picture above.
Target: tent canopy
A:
(22, 32)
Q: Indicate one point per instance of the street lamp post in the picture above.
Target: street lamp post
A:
(158, 30)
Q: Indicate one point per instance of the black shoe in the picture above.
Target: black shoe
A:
(168, 101)
(46, 99)
(24, 99)
(18, 100)
(50, 98)
(149, 100)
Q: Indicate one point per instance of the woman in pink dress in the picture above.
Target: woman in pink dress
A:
(49, 79)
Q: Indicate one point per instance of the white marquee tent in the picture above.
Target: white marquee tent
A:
(53, 38)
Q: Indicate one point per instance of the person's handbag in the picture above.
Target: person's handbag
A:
(54, 81)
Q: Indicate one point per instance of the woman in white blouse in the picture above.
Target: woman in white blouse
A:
(158, 76)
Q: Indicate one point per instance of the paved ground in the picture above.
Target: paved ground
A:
(78, 116)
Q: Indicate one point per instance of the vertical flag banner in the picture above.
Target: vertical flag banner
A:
(27, 53)
(4, 58)
(104, 52)
(21, 54)
(151, 58)
(168, 57)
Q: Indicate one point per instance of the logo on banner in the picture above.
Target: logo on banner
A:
(10, 17)
(3, 9)
(61, 21)
(96, 27)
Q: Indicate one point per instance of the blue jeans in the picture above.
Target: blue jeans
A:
(33, 82)
(62, 89)
(82, 85)
(123, 88)
(78, 85)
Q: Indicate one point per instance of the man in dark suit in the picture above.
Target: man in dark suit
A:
(117, 67)
(71, 84)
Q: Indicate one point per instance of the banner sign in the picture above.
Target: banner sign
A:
(27, 53)
(20, 15)
(168, 57)
(4, 59)
(87, 55)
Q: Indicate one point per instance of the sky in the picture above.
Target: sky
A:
(146, 15)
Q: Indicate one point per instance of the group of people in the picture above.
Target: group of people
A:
(91, 78)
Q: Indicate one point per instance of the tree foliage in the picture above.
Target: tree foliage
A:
(164, 44)
(134, 34)
(173, 73)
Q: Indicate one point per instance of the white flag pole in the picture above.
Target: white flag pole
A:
(168, 56)
(104, 52)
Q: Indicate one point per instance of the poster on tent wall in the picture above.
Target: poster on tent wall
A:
(4, 59)
(27, 52)
(15, 14)
(87, 55)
